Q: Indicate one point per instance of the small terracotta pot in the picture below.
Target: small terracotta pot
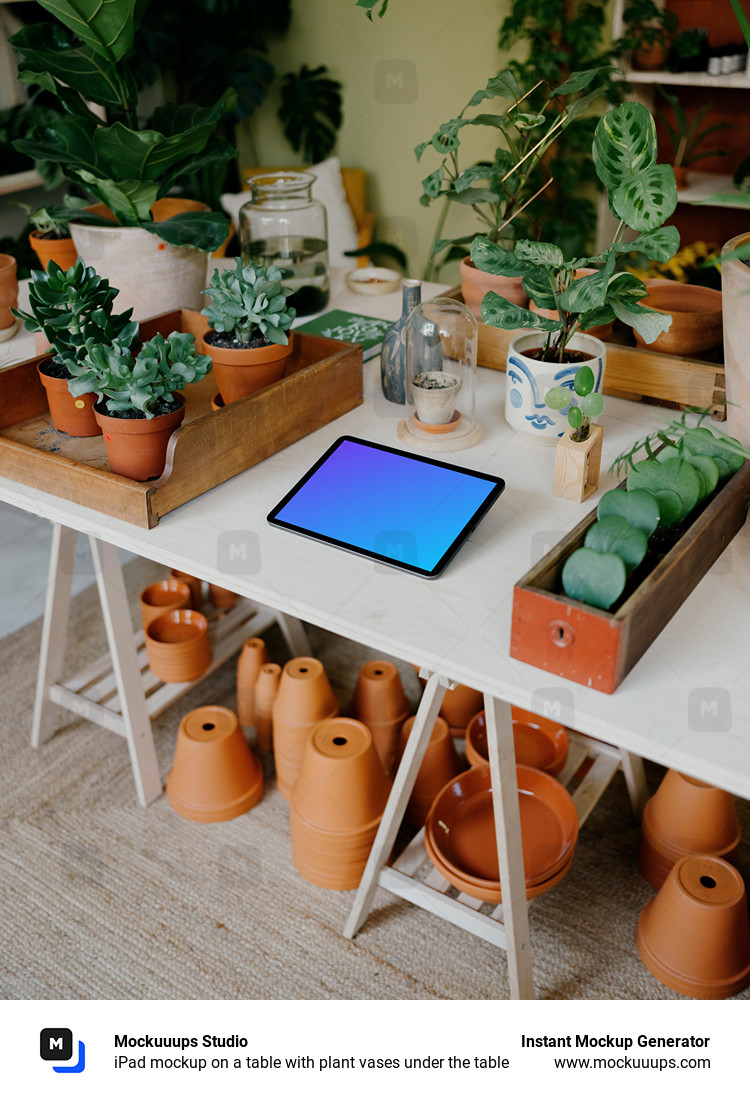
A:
(476, 283)
(696, 318)
(686, 816)
(380, 702)
(694, 936)
(253, 656)
(215, 775)
(178, 646)
(242, 371)
(459, 706)
(439, 765)
(138, 448)
(60, 249)
(266, 690)
(222, 597)
(304, 698)
(163, 596)
(538, 742)
(195, 584)
(217, 402)
(74, 415)
(8, 291)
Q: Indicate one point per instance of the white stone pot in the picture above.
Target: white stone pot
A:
(528, 380)
(435, 393)
(735, 289)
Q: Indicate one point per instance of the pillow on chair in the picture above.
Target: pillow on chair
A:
(328, 189)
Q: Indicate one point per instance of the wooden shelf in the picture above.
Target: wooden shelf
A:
(713, 189)
(20, 181)
(739, 80)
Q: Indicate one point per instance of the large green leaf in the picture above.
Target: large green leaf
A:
(48, 54)
(675, 474)
(614, 535)
(107, 26)
(198, 229)
(576, 82)
(624, 144)
(594, 578)
(658, 244)
(650, 323)
(539, 253)
(626, 288)
(496, 260)
(647, 199)
(501, 313)
(503, 84)
(129, 200)
(638, 506)
(589, 292)
(69, 142)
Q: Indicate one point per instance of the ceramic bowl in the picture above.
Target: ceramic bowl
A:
(539, 743)
(372, 280)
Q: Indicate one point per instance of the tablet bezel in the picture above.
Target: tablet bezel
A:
(498, 484)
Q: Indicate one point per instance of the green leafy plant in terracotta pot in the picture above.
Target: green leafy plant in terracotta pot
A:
(642, 195)
(50, 238)
(648, 33)
(249, 339)
(72, 309)
(139, 404)
(686, 138)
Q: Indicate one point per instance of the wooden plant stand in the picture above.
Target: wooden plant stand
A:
(577, 465)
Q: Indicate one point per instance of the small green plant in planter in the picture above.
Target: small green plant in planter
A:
(249, 339)
(579, 452)
(579, 416)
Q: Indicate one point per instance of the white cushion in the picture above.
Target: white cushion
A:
(328, 189)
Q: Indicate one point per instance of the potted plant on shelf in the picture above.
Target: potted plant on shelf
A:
(73, 308)
(50, 238)
(138, 405)
(642, 195)
(578, 453)
(155, 246)
(649, 31)
(249, 339)
(686, 138)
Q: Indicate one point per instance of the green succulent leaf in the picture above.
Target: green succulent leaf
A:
(557, 398)
(675, 475)
(614, 535)
(584, 381)
(594, 578)
(703, 441)
(575, 417)
(638, 506)
(592, 405)
(706, 467)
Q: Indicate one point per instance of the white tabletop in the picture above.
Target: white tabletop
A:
(686, 704)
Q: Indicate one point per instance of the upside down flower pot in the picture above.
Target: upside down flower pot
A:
(304, 698)
(215, 775)
(440, 764)
(266, 690)
(380, 702)
(253, 656)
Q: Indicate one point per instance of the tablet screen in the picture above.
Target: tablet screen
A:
(392, 506)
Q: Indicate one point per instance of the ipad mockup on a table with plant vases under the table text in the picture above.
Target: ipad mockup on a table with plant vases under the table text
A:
(394, 507)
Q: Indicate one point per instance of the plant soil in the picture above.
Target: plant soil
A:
(53, 369)
(228, 340)
(570, 355)
(160, 409)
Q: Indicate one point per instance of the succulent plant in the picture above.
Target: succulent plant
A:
(250, 303)
(139, 384)
(73, 308)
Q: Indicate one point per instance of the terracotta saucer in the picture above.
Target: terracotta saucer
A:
(539, 743)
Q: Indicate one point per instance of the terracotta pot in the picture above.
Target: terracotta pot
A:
(650, 58)
(253, 656)
(682, 817)
(73, 415)
(696, 318)
(222, 597)
(217, 402)
(735, 287)
(138, 448)
(476, 283)
(242, 371)
(694, 936)
(178, 646)
(60, 249)
(266, 690)
(602, 332)
(195, 584)
(539, 742)
(215, 775)
(380, 702)
(680, 176)
(169, 595)
(459, 706)
(8, 293)
(152, 276)
(440, 764)
(304, 698)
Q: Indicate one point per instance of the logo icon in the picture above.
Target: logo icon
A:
(56, 1045)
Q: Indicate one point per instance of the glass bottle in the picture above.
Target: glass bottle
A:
(284, 226)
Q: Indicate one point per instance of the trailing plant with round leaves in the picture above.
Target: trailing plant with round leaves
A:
(250, 302)
(642, 195)
(73, 309)
(579, 416)
(144, 383)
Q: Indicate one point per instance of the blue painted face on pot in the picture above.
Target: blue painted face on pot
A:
(526, 395)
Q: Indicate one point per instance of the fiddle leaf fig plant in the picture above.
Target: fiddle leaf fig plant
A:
(248, 304)
(642, 195)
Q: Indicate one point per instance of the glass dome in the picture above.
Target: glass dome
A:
(441, 369)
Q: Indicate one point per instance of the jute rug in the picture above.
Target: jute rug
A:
(102, 899)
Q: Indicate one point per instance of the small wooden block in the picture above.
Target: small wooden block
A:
(577, 465)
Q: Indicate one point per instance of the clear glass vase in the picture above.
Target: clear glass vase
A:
(284, 226)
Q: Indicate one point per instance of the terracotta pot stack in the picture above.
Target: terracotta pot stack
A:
(253, 656)
(222, 598)
(337, 803)
(539, 742)
(163, 596)
(440, 764)
(266, 690)
(694, 936)
(685, 816)
(380, 702)
(459, 706)
(194, 583)
(178, 646)
(304, 699)
(215, 775)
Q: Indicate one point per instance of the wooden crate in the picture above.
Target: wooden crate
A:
(323, 381)
(599, 648)
(632, 372)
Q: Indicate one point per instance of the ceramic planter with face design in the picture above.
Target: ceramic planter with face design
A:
(528, 380)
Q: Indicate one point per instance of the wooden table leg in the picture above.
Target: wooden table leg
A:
(635, 779)
(419, 738)
(54, 632)
(509, 849)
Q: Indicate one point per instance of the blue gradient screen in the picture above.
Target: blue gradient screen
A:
(389, 504)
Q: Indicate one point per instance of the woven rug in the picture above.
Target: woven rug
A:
(102, 899)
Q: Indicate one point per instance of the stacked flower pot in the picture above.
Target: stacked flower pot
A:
(304, 698)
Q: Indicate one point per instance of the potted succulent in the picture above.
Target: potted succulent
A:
(85, 59)
(139, 406)
(73, 308)
(649, 32)
(435, 393)
(579, 451)
(249, 339)
(50, 238)
(642, 194)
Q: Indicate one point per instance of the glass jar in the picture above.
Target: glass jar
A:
(284, 226)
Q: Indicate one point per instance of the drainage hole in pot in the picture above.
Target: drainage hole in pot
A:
(378, 672)
(303, 670)
(339, 740)
(209, 726)
(707, 882)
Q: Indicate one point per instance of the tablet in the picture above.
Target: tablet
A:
(394, 507)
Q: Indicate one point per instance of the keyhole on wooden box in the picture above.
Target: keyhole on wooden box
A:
(562, 634)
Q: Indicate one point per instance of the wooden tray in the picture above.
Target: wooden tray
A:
(632, 372)
(323, 381)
